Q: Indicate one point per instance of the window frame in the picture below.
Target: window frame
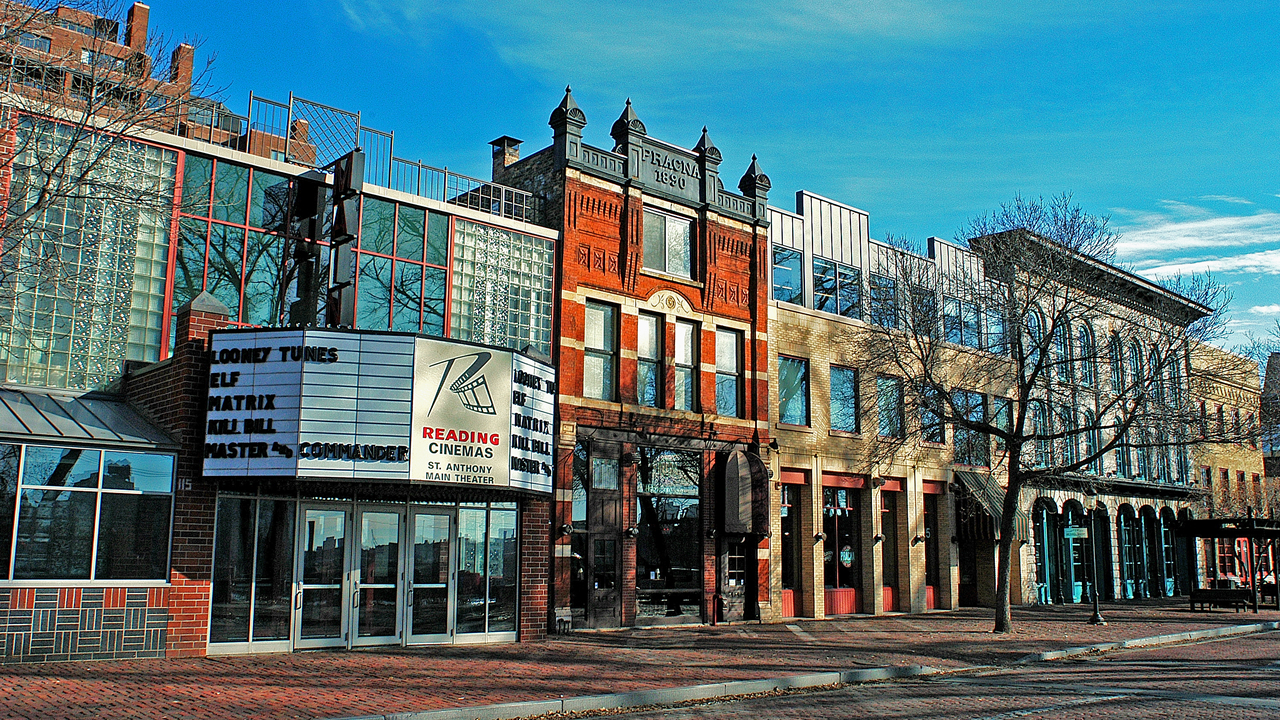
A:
(687, 368)
(734, 374)
(655, 363)
(778, 261)
(803, 391)
(609, 355)
(856, 411)
(649, 234)
(892, 419)
(99, 492)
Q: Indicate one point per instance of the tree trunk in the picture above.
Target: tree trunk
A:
(1004, 556)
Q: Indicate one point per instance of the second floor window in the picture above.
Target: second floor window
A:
(729, 372)
(686, 388)
(793, 391)
(960, 322)
(667, 244)
(889, 407)
(600, 356)
(971, 447)
(844, 400)
(649, 380)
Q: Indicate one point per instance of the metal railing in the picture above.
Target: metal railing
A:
(311, 134)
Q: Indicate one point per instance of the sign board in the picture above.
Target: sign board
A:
(1072, 533)
(673, 170)
(377, 406)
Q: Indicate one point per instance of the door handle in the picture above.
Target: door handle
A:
(297, 600)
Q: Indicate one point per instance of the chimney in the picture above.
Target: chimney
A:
(506, 150)
(180, 63)
(135, 27)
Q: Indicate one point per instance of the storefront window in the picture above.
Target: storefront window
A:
(76, 504)
(669, 546)
(841, 552)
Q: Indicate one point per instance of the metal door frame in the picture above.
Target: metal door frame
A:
(353, 568)
(299, 642)
(451, 587)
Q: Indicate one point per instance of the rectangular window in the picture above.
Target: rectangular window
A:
(996, 340)
(728, 372)
(34, 42)
(837, 288)
(845, 406)
(667, 245)
(883, 308)
(1001, 417)
(600, 352)
(787, 275)
(961, 322)
(924, 311)
(931, 428)
(793, 391)
(686, 385)
(889, 406)
(971, 446)
(649, 380)
(78, 504)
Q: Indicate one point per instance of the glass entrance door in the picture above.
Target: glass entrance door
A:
(376, 579)
(321, 606)
(430, 608)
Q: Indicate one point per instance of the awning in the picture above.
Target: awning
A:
(743, 473)
(35, 415)
(990, 495)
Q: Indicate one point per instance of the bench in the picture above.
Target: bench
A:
(1220, 597)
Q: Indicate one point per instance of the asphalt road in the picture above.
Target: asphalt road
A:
(1229, 678)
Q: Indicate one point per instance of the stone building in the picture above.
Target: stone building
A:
(914, 527)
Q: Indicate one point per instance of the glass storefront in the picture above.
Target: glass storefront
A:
(669, 545)
(361, 573)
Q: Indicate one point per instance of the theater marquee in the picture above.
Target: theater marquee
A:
(377, 406)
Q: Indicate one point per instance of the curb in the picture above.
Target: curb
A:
(659, 696)
(1149, 642)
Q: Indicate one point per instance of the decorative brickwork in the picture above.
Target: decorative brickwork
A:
(61, 624)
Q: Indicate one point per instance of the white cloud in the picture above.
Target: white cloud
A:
(1227, 198)
(1265, 262)
(1265, 309)
(1155, 234)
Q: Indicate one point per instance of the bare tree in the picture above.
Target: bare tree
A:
(87, 200)
(1053, 367)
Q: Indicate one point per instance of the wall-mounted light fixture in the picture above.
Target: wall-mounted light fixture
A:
(877, 538)
(917, 540)
(566, 529)
(877, 482)
(819, 537)
(632, 531)
(711, 534)
(627, 459)
(773, 444)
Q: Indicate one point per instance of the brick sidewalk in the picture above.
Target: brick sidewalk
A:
(343, 684)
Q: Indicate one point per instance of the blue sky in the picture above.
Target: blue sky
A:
(1163, 115)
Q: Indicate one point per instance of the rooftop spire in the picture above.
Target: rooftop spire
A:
(627, 122)
(567, 111)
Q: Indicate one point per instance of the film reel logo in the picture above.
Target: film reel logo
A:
(471, 387)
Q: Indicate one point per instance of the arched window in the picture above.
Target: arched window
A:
(1044, 448)
(1135, 364)
(1086, 355)
(1155, 367)
(1035, 336)
(1070, 442)
(1124, 461)
(1117, 363)
(1062, 351)
(1092, 441)
(1175, 378)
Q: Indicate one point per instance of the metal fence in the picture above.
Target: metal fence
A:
(311, 134)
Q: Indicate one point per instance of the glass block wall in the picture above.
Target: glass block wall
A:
(502, 285)
(83, 288)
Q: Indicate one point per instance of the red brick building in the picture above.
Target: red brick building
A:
(661, 340)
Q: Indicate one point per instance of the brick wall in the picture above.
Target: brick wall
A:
(535, 547)
(173, 393)
(93, 623)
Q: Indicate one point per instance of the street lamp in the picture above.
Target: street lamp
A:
(1093, 554)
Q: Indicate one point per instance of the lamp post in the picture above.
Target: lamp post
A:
(1093, 554)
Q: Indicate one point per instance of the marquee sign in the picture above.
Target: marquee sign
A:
(377, 406)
